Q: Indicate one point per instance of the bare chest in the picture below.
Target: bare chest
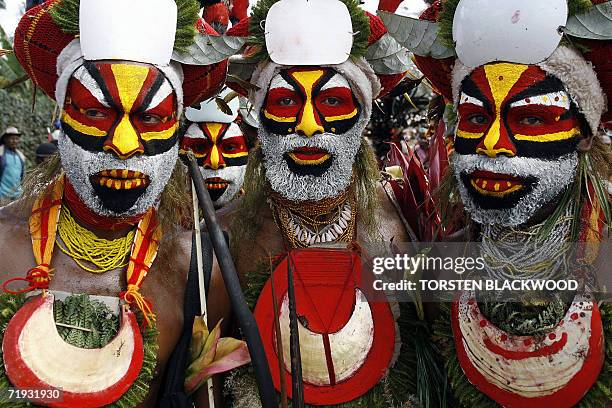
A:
(163, 287)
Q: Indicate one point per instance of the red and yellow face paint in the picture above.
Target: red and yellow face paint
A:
(309, 101)
(216, 145)
(123, 109)
(515, 110)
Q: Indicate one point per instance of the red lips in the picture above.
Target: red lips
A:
(495, 183)
(309, 153)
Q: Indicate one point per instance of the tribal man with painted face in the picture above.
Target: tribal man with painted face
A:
(95, 243)
(121, 127)
(529, 168)
(220, 148)
(516, 142)
(312, 203)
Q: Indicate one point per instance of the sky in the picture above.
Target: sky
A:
(10, 16)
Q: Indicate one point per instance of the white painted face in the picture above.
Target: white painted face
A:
(119, 142)
(222, 153)
(311, 127)
(515, 142)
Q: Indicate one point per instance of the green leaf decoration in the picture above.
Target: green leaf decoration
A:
(593, 24)
(209, 49)
(387, 57)
(418, 36)
(80, 308)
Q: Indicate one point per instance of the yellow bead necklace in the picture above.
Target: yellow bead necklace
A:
(83, 245)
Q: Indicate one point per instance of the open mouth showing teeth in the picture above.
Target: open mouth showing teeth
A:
(495, 184)
(216, 183)
(309, 156)
(120, 179)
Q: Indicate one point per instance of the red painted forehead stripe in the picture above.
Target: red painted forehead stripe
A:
(532, 75)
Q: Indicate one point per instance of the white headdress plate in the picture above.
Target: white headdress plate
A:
(519, 31)
(308, 32)
(134, 30)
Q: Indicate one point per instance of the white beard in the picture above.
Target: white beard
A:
(553, 177)
(79, 164)
(233, 174)
(342, 147)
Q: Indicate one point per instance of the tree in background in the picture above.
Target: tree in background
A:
(16, 99)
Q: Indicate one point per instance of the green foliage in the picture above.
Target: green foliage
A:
(578, 6)
(81, 310)
(188, 15)
(11, 73)
(522, 320)
(17, 111)
(446, 22)
(66, 15)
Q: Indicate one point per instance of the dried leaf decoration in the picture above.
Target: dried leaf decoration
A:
(212, 354)
(593, 24)
(387, 57)
(209, 49)
(223, 106)
(418, 36)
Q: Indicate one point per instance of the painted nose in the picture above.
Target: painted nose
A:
(309, 124)
(496, 142)
(124, 141)
(214, 160)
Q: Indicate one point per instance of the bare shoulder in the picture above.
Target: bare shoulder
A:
(13, 217)
(174, 258)
(16, 249)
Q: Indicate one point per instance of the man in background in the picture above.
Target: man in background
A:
(44, 151)
(12, 165)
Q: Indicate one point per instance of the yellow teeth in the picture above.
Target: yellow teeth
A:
(122, 174)
(214, 186)
(119, 184)
(480, 186)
